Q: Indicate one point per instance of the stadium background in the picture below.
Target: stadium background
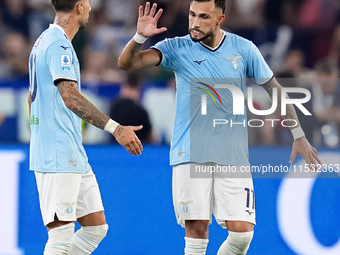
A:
(294, 216)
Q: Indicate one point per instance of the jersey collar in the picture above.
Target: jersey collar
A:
(60, 28)
(218, 45)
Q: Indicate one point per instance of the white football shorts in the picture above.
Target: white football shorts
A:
(231, 199)
(68, 196)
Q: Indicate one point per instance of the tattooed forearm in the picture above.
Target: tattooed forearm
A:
(134, 51)
(130, 56)
(82, 107)
(290, 111)
(87, 111)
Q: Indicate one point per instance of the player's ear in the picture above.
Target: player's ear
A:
(80, 7)
(221, 19)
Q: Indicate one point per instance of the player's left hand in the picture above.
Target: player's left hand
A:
(309, 153)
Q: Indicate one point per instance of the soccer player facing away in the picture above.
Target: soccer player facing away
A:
(209, 53)
(68, 190)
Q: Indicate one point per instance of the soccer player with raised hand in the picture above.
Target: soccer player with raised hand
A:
(206, 57)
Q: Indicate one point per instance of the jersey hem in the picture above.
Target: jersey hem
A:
(60, 171)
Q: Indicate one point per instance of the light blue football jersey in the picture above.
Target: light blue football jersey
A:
(56, 139)
(198, 69)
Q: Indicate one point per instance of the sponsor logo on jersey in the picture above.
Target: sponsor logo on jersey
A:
(34, 120)
(65, 47)
(234, 61)
(65, 62)
(249, 212)
(199, 62)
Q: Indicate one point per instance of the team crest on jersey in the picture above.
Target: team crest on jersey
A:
(185, 206)
(234, 61)
(69, 210)
(65, 62)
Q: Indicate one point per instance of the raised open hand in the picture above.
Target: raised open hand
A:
(147, 21)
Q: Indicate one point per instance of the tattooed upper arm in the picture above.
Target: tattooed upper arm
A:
(65, 86)
(66, 89)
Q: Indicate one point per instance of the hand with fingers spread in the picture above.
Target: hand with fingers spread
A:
(309, 153)
(147, 21)
(125, 136)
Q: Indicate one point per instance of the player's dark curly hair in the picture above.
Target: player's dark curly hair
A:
(64, 5)
(218, 3)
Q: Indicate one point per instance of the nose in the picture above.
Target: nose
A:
(196, 22)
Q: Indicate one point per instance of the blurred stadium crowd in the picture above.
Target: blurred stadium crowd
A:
(300, 39)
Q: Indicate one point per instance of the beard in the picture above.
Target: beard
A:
(205, 35)
(81, 26)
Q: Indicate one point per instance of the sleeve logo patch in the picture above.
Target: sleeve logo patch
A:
(65, 62)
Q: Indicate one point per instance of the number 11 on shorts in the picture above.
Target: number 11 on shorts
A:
(248, 197)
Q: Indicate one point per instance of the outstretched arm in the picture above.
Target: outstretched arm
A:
(301, 145)
(84, 109)
(132, 57)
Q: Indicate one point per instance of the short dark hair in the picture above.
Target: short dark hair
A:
(218, 3)
(64, 5)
